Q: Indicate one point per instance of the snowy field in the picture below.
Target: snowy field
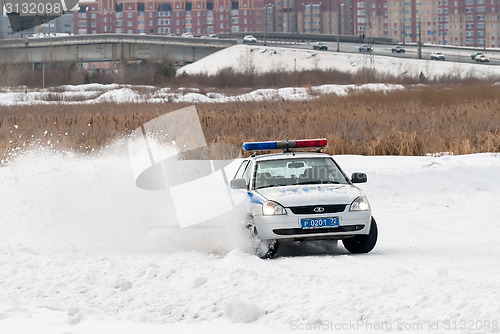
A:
(77, 257)
(77, 254)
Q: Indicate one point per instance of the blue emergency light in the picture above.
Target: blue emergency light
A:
(284, 144)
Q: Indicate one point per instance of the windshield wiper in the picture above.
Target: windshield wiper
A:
(318, 182)
(271, 186)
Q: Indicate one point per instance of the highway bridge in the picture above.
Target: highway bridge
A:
(116, 47)
(108, 47)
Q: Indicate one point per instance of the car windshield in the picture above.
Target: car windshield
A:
(296, 171)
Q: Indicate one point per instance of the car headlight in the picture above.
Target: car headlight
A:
(360, 204)
(270, 208)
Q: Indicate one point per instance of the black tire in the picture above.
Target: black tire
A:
(265, 249)
(362, 243)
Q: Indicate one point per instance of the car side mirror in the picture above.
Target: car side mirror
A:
(358, 178)
(238, 184)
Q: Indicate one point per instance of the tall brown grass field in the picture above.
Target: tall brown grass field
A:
(461, 119)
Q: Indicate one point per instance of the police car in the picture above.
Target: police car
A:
(297, 196)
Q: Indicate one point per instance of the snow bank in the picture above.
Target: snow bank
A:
(90, 94)
(261, 59)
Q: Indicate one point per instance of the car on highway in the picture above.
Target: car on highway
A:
(482, 59)
(398, 49)
(438, 56)
(187, 35)
(475, 54)
(249, 39)
(365, 48)
(300, 195)
(211, 36)
(320, 46)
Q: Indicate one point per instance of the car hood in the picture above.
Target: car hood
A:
(300, 195)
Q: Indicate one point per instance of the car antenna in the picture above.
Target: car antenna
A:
(289, 150)
(286, 149)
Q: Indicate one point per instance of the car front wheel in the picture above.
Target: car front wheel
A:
(362, 243)
(265, 249)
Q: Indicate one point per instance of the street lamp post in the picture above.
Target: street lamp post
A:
(419, 49)
(266, 18)
(484, 44)
(330, 17)
(341, 6)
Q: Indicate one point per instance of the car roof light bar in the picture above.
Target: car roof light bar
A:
(284, 144)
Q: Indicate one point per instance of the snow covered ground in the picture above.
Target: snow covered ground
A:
(260, 59)
(113, 93)
(77, 254)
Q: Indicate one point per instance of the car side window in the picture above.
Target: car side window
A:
(248, 173)
(241, 169)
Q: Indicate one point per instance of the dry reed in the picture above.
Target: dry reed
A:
(461, 119)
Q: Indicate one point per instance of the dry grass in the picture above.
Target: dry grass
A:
(163, 74)
(461, 119)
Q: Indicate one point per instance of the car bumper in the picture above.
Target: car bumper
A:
(288, 227)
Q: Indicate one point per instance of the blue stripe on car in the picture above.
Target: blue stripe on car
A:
(254, 199)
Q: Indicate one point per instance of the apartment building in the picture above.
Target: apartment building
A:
(197, 17)
(200, 17)
(474, 23)
(329, 17)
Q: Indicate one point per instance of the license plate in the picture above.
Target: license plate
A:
(319, 222)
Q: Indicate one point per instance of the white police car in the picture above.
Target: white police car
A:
(299, 196)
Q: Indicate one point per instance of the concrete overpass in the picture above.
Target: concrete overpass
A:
(108, 47)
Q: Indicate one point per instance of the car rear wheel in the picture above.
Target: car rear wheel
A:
(362, 243)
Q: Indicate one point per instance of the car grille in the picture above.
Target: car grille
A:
(298, 231)
(309, 210)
